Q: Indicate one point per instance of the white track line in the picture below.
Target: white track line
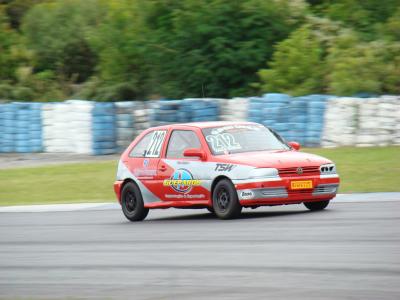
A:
(340, 198)
(60, 207)
(368, 197)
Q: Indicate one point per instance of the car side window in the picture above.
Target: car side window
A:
(181, 140)
(150, 145)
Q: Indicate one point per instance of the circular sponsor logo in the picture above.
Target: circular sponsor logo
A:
(299, 170)
(182, 181)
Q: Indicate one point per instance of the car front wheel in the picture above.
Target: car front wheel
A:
(132, 203)
(314, 206)
(225, 200)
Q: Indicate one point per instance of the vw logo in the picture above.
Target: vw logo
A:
(299, 170)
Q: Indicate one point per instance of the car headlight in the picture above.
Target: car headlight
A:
(327, 169)
(263, 172)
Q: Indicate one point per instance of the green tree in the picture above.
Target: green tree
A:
(364, 16)
(324, 57)
(16, 9)
(40, 86)
(12, 56)
(56, 32)
(391, 29)
(215, 49)
(297, 65)
(7, 39)
(121, 45)
(371, 67)
(355, 69)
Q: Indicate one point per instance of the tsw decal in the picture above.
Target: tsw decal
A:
(224, 167)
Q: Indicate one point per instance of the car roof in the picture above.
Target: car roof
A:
(201, 125)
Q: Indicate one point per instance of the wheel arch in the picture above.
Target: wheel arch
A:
(215, 181)
(126, 180)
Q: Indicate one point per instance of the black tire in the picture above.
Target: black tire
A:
(225, 200)
(132, 203)
(315, 206)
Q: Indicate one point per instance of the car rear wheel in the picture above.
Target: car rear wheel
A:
(314, 206)
(132, 203)
(225, 200)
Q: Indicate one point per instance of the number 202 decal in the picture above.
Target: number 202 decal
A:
(154, 148)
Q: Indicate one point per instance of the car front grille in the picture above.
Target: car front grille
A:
(273, 192)
(294, 171)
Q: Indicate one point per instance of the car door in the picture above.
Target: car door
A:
(182, 176)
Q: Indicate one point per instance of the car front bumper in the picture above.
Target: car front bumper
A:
(274, 191)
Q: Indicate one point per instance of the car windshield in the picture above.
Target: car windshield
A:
(242, 138)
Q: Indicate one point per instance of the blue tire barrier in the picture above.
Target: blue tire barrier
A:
(103, 129)
(21, 127)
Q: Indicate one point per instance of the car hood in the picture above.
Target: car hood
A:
(275, 159)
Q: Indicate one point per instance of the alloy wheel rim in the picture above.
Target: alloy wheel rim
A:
(130, 202)
(223, 200)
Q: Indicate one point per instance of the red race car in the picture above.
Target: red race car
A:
(221, 166)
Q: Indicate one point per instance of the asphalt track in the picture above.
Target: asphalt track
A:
(349, 251)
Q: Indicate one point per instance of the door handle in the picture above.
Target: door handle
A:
(163, 168)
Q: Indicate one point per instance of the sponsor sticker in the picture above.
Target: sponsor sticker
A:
(224, 167)
(145, 172)
(247, 194)
(182, 181)
(185, 196)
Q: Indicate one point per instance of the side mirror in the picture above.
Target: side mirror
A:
(294, 145)
(195, 152)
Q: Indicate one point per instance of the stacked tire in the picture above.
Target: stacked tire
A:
(67, 127)
(166, 112)
(198, 110)
(7, 127)
(80, 126)
(276, 113)
(377, 121)
(298, 120)
(142, 115)
(125, 124)
(256, 106)
(271, 110)
(132, 117)
(340, 122)
(316, 106)
(56, 125)
(103, 129)
(234, 110)
(28, 127)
